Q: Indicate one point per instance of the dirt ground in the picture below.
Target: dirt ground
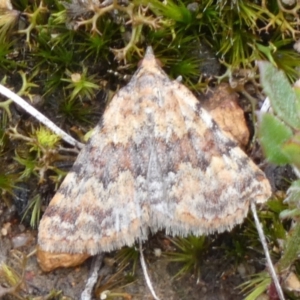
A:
(218, 278)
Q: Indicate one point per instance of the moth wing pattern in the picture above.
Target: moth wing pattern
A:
(98, 207)
(157, 160)
(209, 180)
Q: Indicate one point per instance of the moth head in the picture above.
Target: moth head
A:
(149, 59)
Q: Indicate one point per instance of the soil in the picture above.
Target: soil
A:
(218, 278)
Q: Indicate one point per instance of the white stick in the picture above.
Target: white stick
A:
(96, 264)
(266, 107)
(266, 250)
(147, 278)
(36, 114)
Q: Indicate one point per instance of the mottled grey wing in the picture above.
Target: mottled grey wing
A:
(102, 203)
(156, 160)
(209, 181)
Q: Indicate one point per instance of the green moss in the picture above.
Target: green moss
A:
(189, 254)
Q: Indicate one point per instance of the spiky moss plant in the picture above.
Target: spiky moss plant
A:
(72, 110)
(7, 58)
(8, 178)
(128, 256)
(172, 29)
(234, 29)
(42, 153)
(189, 254)
(112, 286)
(12, 274)
(7, 185)
(12, 278)
(34, 206)
(82, 87)
(38, 161)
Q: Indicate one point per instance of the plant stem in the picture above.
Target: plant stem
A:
(267, 254)
(36, 114)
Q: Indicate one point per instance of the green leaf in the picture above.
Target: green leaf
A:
(273, 134)
(276, 206)
(297, 92)
(259, 289)
(290, 213)
(258, 284)
(292, 150)
(293, 193)
(283, 98)
(293, 200)
(292, 248)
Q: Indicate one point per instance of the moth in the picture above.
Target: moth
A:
(156, 160)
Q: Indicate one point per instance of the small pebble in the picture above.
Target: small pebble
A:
(263, 297)
(292, 283)
(104, 295)
(21, 227)
(242, 270)
(6, 229)
(157, 252)
(21, 240)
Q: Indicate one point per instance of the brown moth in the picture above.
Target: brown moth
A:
(156, 160)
